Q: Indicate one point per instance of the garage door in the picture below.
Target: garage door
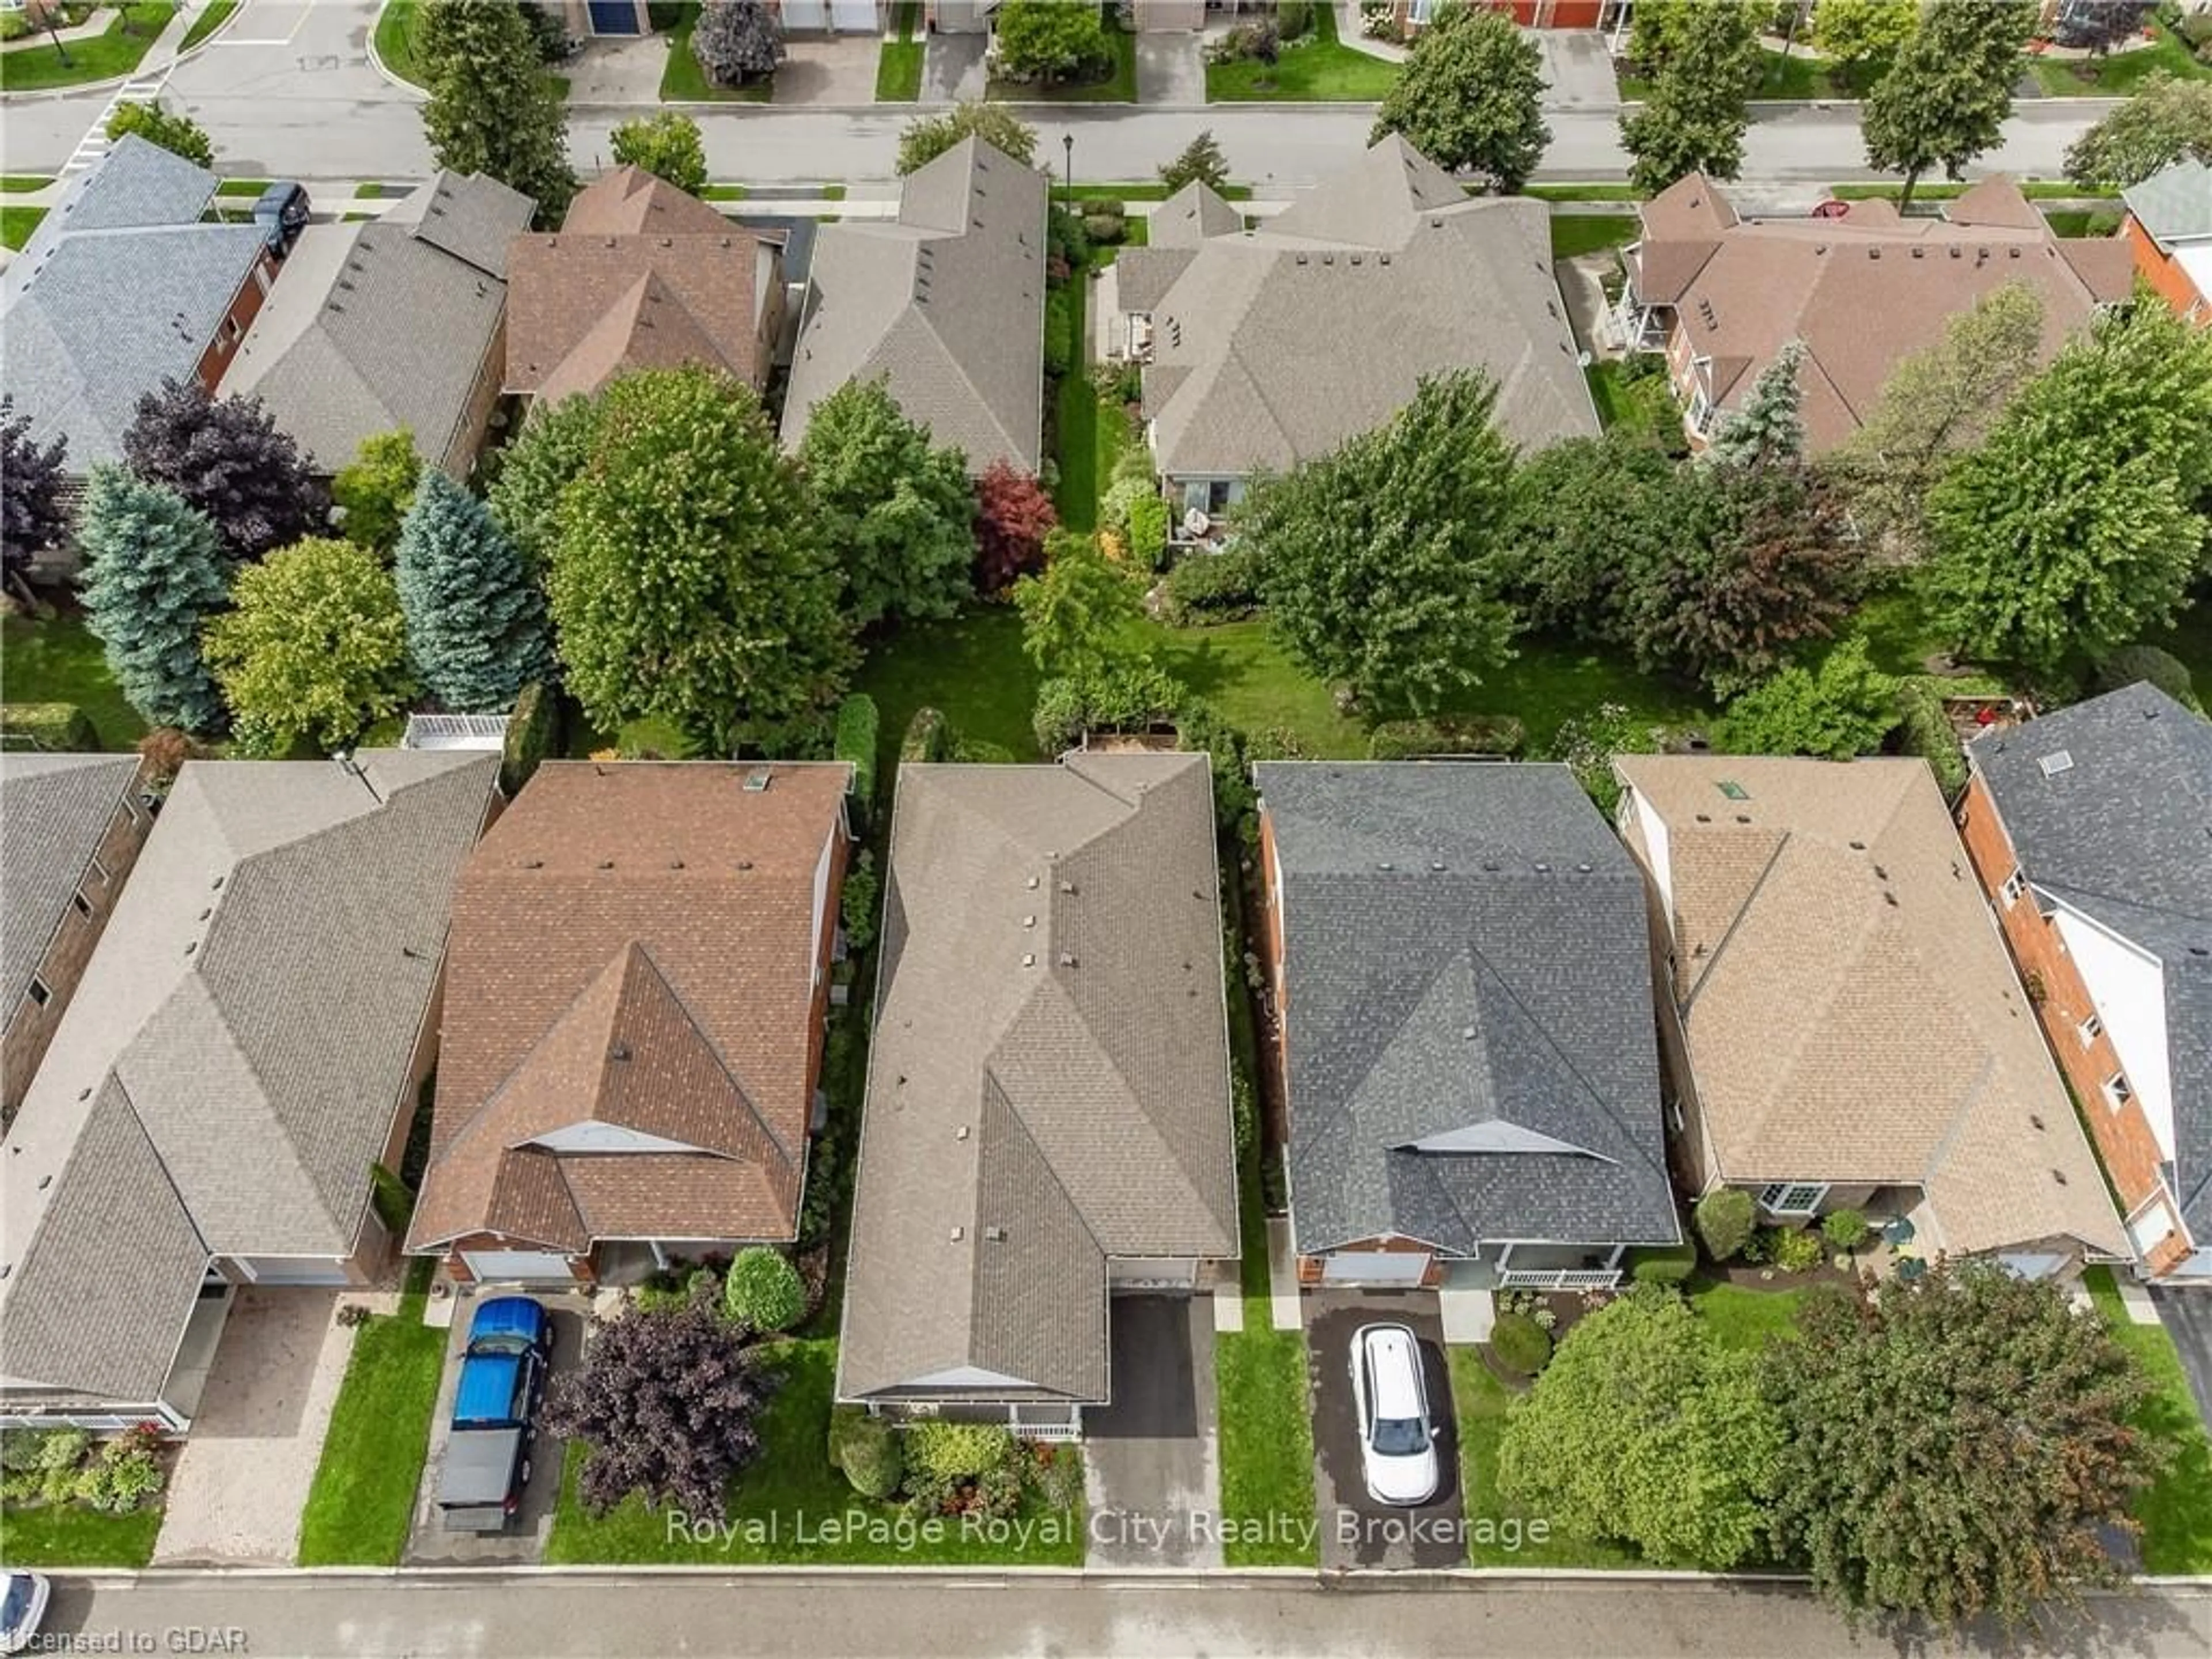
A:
(852, 16)
(525, 1265)
(293, 1270)
(614, 17)
(800, 16)
(2025, 1265)
(1166, 1273)
(1375, 1267)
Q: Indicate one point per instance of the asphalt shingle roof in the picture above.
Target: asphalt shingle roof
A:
(1049, 1082)
(1471, 1054)
(54, 812)
(2174, 205)
(2124, 834)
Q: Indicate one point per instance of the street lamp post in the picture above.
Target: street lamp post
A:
(1067, 168)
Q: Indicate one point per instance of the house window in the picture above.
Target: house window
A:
(1701, 409)
(1792, 1197)
(2089, 1031)
(84, 904)
(2015, 885)
(40, 994)
(230, 330)
(2116, 1091)
(1420, 11)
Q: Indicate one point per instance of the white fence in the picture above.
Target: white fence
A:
(486, 732)
(1562, 1279)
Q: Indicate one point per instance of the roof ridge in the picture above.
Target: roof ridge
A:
(1744, 909)
(640, 950)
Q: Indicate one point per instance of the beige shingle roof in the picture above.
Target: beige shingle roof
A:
(1853, 1015)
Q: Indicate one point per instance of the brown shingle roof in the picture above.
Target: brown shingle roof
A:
(628, 1042)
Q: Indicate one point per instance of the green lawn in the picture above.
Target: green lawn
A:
(59, 661)
(2119, 74)
(1784, 79)
(898, 71)
(104, 57)
(971, 670)
(17, 183)
(242, 186)
(1478, 1406)
(68, 1535)
(2084, 221)
(1119, 88)
(362, 1502)
(16, 224)
(1092, 434)
(1143, 190)
(784, 1507)
(1267, 1444)
(395, 39)
(2175, 1512)
(1319, 69)
(210, 19)
(1575, 192)
(1746, 1318)
(1937, 189)
(1586, 233)
(684, 82)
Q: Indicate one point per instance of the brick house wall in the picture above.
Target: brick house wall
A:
(31, 1024)
(2123, 1137)
(2164, 273)
(468, 438)
(245, 306)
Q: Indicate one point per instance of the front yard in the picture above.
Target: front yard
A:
(792, 1507)
(2175, 1512)
(898, 69)
(1318, 69)
(1119, 86)
(69, 1536)
(363, 1502)
(684, 82)
(2120, 73)
(1267, 1444)
(116, 52)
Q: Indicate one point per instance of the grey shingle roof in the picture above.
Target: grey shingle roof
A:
(385, 325)
(137, 184)
(947, 301)
(1049, 1082)
(2121, 835)
(1468, 966)
(251, 1011)
(2174, 205)
(54, 811)
(1273, 346)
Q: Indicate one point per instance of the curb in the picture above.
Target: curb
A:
(213, 35)
(377, 62)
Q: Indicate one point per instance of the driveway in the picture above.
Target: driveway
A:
(246, 1468)
(836, 68)
(1171, 69)
(952, 67)
(1151, 1458)
(1356, 1531)
(523, 1544)
(1577, 69)
(611, 69)
(2187, 1316)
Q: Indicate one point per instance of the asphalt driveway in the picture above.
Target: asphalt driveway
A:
(523, 1543)
(2187, 1316)
(1151, 1458)
(1356, 1531)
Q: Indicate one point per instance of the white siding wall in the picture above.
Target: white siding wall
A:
(2129, 991)
(1654, 828)
(821, 902)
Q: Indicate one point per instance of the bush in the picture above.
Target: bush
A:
(764, 1291)
(1059, 332)
(1477, 734)
(857, 907)
(1795, 1250)
(395, 1205)
(1293, 18)
(857, 725)
(1064, 237)
(1925, 731)
(928, 737)
(1105, 224)
(872, 1458)
(41, 1450)
(1670, 1266)
(124, 1474)
(1210, 587)
(1260, 42)
(1148, 531)
(61, 727)
(2165, 670)
(1846, 1230)
(1520, 1343)
(533, 731)
(1131, 698)
(1723, 1221)
(956, 1451)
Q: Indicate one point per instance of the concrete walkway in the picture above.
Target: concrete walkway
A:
(1282, 1311)
(1469, 1312)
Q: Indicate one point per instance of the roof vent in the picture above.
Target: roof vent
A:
(744, 864)
(1957, 252)
(1873, 254)
(1068, 888)
(1301, 258)
(1919, 253)
(1542, 868)
(960, 1133)
(1490, 864)
(676, 863)
(1029, 922)
(959, 1233)
(1067, 958)
(2036, 1118)
(606, 864)
(1743, 817)
(45, 1181)
(1436, 865)
(996, 1234)
(1704, 817)
(1382, 258)
(1384, 864)
(757, 779)
(1468, 1033)
(619, 1051)
(1858, 847)
(2059, 1176)
(1585, 869)
(2055, 762)
(1032, 883)
(1029, 959)
(1889, 898)
(1881, 874)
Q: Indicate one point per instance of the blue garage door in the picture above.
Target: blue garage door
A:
(614, 17)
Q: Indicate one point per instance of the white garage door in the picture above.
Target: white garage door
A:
(852, 16)
(2025, 1265)
(493, 1265)
(799, 14)
(1375, 1267)
(1164, 1273)
(293, 1270)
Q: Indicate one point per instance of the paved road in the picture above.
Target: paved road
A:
(546, 1618)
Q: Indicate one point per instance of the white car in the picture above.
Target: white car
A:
(1397, 1440)
(22, 1605)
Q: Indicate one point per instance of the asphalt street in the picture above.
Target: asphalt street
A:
(432, 1616)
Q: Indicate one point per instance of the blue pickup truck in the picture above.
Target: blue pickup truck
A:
(487, 1448)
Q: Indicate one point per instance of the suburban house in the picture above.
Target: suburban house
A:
(124, 285)
(1862, 288)
(833, 16)
(1461, 974)
(1265, 348)
(947, 301)
(639, 275)
(1840, 1023)
(391, 322)
(1048, 1119)
(246, 1045)
(70, 827)
(2169, 231)
(634, 1003)
(2087, 829)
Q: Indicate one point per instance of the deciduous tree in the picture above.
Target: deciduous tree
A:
(1588, 515)
(533, 473)
(226, 458)
(475, 618)
(737, 39)
(153, 574)
(1373, 560)
(1200, 162)
(1013, 515)
(172, 130)
(1077, 608)
(1050, 39)
(315, 648)
(1844, 707)
(899, 515)
(1646, 1429)
(32, 517)
(1946, 96)
(375, 491)
(492, 108)
(666, 145)
(2098, 26)
(2167, 119)
(1955, 1447)
(668, 1400)
(690, 581)
(928, 137)
(1860, 33)
(1471, 97)
(2078, 524)
(1699, 105)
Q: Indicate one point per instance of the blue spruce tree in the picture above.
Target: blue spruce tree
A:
(476, 619)
(153, 574)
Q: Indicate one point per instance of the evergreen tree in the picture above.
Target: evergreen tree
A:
(1945, 99)
(475, 620)
(32, 517)
(1770, 424)
(1200, 162)
(153, 574)
(899, 515)
(492, 109)
(1471, 97)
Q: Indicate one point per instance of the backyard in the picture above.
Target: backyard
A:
(1316, 69)
(105, 56)
(363, 1499)
(59, 661)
